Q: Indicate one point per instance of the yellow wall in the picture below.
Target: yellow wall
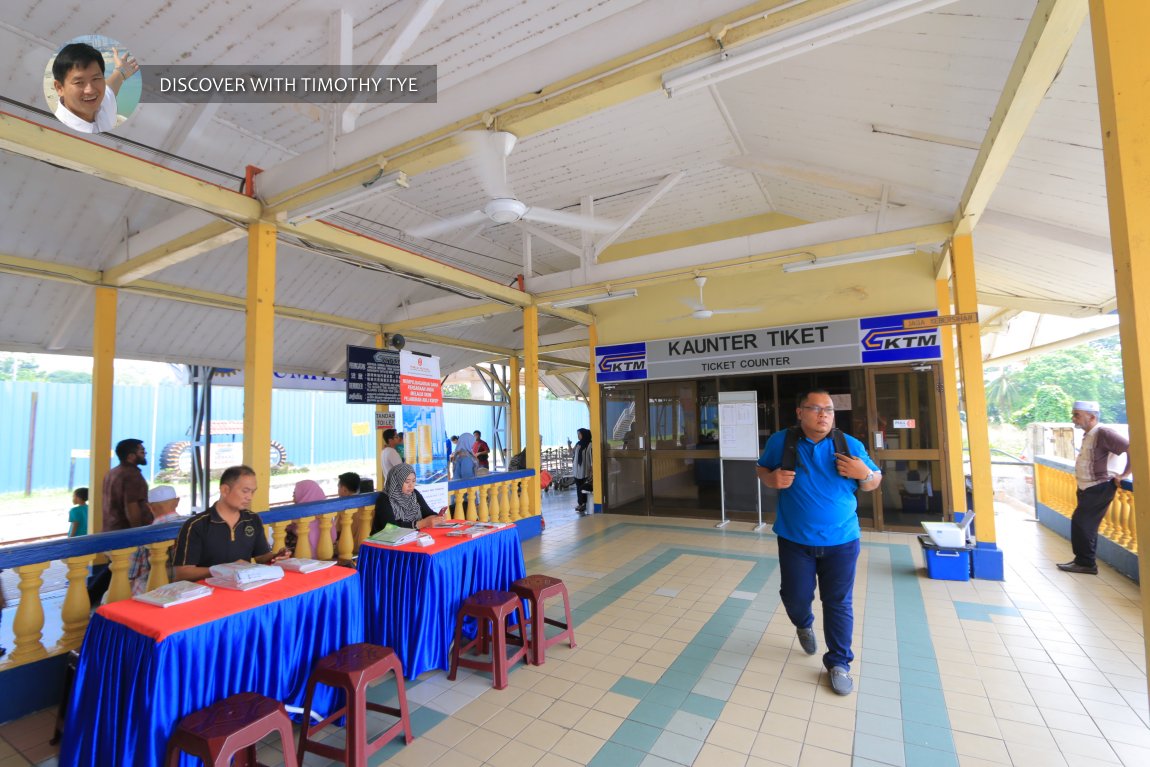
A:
(889, 286)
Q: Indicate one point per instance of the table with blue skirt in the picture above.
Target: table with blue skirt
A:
(143, 668)
(412, 594)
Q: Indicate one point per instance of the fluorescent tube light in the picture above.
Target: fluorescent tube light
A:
(345, 199)
(458, 323)
(750, 57)
(853, 258)
(599, 298)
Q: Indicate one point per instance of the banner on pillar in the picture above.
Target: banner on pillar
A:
(424, 430)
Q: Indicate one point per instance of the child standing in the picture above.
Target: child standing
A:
(78, 515)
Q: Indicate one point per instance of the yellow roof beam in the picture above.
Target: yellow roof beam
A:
(49, 145)
(1052, 30)
(724, 230)
(201, 240)
(403, 261)
(563, 346)
(928, 234)
(611, 83)
(445, 318)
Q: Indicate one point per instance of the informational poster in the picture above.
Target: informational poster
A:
(738, 426)
(373, 376)
(424, 430)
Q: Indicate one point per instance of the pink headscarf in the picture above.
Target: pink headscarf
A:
(306, 491)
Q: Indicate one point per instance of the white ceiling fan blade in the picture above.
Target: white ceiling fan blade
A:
(436, 228)
(695, 307)
(570, 220)
(741, 310)
(488, 159)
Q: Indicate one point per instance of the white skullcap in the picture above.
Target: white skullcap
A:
(161, 493)
(1087, 406)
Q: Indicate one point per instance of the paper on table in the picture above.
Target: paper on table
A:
(174, 594)
(305, 565)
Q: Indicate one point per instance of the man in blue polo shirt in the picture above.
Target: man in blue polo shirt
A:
(818, 529)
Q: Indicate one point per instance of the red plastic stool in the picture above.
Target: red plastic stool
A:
(352, 669)
(492, 607)
(533, 590)
(223, 730)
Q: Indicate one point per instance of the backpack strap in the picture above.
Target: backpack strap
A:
(840, 442)
(790, 460)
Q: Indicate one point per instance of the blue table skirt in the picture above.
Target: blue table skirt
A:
(131, 691)
(411, 598)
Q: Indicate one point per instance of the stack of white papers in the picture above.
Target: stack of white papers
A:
(244, 576)
(305, 565)
(174, 594)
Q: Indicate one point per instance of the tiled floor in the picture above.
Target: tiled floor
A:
(685, 657)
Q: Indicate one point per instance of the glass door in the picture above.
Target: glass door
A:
(624, 437)
(905, 440)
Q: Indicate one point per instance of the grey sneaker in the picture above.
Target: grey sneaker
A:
(807, 641)
(841, 681)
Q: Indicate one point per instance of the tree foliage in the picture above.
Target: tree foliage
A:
(1046, 388)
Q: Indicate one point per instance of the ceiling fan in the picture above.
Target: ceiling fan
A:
(699, 311)
(488, 158)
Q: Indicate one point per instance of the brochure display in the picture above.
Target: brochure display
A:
(738, 440)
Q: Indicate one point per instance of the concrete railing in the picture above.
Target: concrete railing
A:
(504, 497)
(1056, 489)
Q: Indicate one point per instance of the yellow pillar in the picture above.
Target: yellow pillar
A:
(1120, 31)
(379, 344)
(103, 378)
(534, 495)
(973, 387)
(593, 406)
(259, 345)
(514, 410)
(952, 449)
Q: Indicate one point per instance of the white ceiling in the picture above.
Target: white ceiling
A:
(823, 136)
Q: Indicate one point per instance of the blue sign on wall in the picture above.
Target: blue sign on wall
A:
(883, 339)
(621, 362)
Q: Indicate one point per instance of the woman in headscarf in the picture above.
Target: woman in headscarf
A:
(400, 503)
(581, 469)
(306, 491)
(463, 463)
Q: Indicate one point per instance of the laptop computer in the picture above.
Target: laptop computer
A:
(948, 535)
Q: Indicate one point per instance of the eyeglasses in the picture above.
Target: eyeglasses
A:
(819, 410)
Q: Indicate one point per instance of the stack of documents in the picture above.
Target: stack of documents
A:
(305, 565)
(393, 535)
(244, 576)
(174, 594)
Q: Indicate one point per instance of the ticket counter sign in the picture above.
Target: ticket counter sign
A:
(806, 346)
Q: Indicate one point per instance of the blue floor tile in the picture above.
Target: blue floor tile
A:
(652, 713)
(632, 688)
(917, 756)
(879, 749)
(637, 735)
(616, 755)
(704, 705)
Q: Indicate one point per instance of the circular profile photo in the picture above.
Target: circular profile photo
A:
(92, 84)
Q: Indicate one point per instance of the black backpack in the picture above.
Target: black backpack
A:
(790, 459)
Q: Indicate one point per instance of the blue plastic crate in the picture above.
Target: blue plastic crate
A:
(945, 564)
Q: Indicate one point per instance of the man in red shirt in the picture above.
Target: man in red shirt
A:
(480, 450)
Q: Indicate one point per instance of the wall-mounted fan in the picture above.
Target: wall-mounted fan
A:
(488, 158)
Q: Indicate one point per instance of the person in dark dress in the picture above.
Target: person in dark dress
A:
(400, 503)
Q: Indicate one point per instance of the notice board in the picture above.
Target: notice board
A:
(738, 425)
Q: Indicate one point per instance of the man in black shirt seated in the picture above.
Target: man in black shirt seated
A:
(227, 532)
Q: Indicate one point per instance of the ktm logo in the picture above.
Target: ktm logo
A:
(621, 363)
(883, 339)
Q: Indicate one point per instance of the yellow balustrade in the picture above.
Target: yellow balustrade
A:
(363, 525)
(514, 507)
(1058, 490)
(302, 543)
(346, 543)
(504, 501)
(323, 549)
(158, 564)
(481, 495)
(28, 625)
(76, 608)
(279, 535)
(118, 562)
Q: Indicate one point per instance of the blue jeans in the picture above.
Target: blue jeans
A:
(834, 567)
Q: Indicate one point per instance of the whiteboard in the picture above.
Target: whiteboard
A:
(738, 425)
